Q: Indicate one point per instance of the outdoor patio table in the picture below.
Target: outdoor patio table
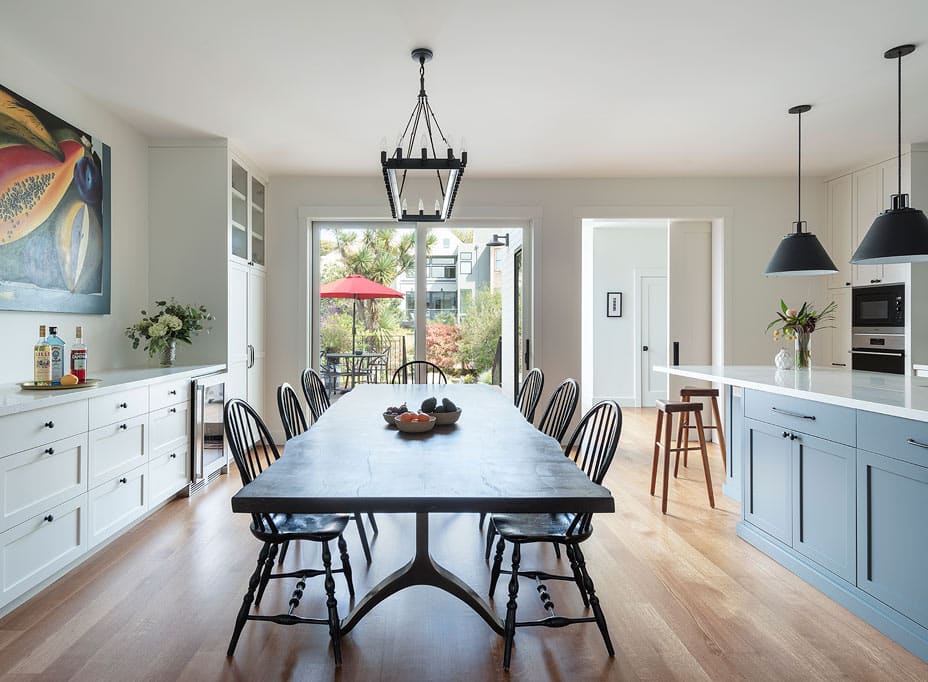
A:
(492, 460)
(356, 364)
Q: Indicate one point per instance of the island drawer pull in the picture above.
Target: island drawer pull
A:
(49, 451)
(911, 441)
(123, 405)
(49, 518)
(172, 392)
(49, 425)
(794, 414)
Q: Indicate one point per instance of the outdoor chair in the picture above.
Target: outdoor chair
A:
(592, 446)
(254, 451)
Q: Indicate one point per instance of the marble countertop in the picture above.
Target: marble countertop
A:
(894, 394)
(14, 399)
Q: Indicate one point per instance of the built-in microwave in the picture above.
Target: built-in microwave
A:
(878, 306)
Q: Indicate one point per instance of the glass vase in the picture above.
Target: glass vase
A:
(169, 354)
(803, 346)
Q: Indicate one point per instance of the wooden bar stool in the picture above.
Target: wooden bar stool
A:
(684, 409)
(684, 427)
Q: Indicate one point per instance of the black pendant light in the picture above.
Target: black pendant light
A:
(800, 253)
(438, 163)
(899, 234)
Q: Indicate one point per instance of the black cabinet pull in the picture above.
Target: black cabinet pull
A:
(173, 455)
(49, 451)
(123, 405)
(49, 425)
(839, 364)
(173, 409)
(123, 480)
(123, 426)
(793, 414)
(172, 392)
(847, 284)
(49, 518)
(875, 281)
(786, 434)
(917, 444)
(793, 436)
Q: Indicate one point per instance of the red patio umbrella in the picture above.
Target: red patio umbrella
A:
(358, 288)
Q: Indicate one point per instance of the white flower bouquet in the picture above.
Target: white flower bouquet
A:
(171, 323)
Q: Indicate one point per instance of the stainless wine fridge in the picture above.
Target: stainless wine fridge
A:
(210, 455)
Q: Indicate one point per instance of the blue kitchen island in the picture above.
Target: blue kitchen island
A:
(831, 467)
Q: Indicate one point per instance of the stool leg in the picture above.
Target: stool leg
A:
(686, 434)
(705, 459)
(668, 433)
(657, 448)
(721, 432)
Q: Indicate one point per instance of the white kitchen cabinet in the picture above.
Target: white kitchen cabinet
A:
(841, 230)
(117, 448)
(117, 503)
(841, 332)
(247, 351)
(868, 202)
(168, 473)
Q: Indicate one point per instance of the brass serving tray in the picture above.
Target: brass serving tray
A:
(32, 386)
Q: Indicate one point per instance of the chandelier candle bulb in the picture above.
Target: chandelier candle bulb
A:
(437, 206)
(421, 206)
(405, 206)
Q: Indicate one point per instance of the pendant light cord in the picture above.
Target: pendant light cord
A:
(899, 125)
(799, 179)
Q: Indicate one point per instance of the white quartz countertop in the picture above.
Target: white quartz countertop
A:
(894, 394)
(14, 399)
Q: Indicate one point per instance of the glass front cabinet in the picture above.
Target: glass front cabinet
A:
(246, 222)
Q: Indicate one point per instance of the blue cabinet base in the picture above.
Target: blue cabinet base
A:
(890, 622)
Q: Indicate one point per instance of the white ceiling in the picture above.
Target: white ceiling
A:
(537, 87)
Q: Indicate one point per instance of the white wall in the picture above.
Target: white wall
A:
(759, 212)
(617, 252)
(108, 347)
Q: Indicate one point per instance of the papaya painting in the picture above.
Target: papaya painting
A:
(54, 212)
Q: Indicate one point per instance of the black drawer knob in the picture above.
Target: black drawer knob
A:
(123, 405)
(49, 425)
(172, 392)
(173, 455)
(123, 426)
(793, 436)
(786, 434)
(123, 480)
(49, 518)
(173, 409)
(49, 451)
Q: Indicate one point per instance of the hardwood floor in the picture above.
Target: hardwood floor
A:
(684, 597)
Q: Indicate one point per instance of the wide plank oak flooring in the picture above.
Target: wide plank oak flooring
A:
(684, 597)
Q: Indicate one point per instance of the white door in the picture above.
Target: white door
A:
(256, 347)
(652, 309)
(689, 283)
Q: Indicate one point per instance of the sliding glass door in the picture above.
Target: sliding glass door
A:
(458, 302)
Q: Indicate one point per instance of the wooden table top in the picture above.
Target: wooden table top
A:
(492, 460)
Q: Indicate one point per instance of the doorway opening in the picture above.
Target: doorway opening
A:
(457, 301)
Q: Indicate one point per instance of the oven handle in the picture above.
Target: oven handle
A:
(900, 354)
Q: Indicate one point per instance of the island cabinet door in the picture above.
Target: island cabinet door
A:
(768, 479)
(825, 504)
(892, 510)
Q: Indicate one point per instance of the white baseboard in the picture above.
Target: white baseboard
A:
(622, 400)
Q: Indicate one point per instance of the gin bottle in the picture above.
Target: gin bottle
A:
(57, 355)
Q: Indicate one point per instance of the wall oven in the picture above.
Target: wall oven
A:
(210, 456)
(879, 306)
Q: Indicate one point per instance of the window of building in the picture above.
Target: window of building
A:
(466, 267)
(410, 301)
(499, 258)
(439, 302)
(465, 255)
(442, 267)
(467, 299)
(446, 243)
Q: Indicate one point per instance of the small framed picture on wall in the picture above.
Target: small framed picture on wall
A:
(614, 304)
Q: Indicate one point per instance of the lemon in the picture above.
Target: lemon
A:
(69, 380)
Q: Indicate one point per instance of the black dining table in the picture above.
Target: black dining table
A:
(492, 460)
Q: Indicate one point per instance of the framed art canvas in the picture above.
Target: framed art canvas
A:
(614, 304)
(54, 212)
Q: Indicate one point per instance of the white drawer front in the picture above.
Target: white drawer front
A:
(33, 428)
(117, 448)
(168, 393)
(37, 548)
(36, 479)
(168, 474)
(168, 427)
(119, 406)
(117, 503)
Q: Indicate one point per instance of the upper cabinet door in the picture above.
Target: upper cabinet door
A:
(257, 222)
(841, 229)
(238, 221)
(868, 202)
(889, 177)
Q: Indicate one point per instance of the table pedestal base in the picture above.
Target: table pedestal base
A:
(423, 570)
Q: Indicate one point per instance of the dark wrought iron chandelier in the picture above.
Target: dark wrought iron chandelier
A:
(447, 168)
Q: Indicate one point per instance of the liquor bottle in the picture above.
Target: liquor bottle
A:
(57, 355)
(42, 361)
(79, 355)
